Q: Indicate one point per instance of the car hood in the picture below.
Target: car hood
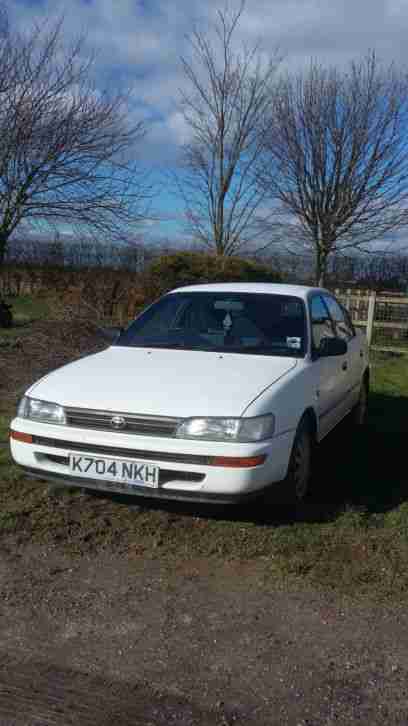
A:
(163, 382)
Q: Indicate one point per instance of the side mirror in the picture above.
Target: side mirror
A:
(332, 346)
(111, 334)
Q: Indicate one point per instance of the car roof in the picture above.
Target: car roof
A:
(269, 288)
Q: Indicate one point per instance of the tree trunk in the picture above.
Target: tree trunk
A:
(321, 277)
(3, 246)
(321, 267)
(219, 237)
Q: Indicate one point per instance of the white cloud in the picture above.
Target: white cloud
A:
(140, 42)
(179, 127)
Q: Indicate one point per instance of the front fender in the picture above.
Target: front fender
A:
(288, 399)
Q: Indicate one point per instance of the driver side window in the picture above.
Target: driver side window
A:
(322, 326)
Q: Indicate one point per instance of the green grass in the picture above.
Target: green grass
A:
(351, 539)
(386, 338)
(4, 425)
(27, 308)
(389, 375)
(7, 469)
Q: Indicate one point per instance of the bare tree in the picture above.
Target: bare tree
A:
(223, 105)
(66, 148)
(337, 161)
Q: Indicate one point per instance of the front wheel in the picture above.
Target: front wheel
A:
(296, 486)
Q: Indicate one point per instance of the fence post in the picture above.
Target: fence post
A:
(370, 317)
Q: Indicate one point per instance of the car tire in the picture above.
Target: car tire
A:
(359, 412)
(296, 485)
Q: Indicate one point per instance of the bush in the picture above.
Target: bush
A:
(184, 268)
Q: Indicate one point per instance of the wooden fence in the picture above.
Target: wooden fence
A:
(384, 317)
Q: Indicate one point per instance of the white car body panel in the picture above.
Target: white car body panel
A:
(218, 481)
(192, 383)
(161, 382)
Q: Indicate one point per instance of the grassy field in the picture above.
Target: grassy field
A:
(352, 538)
(26, 309)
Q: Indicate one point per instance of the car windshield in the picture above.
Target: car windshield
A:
(250, 323)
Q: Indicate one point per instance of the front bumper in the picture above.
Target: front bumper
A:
(184, 470)
(140, 491)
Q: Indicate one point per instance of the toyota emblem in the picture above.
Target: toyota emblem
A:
(118, 422)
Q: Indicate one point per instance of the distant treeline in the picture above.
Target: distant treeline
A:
(79, 254)
(112, 281)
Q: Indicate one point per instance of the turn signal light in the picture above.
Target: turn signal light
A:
(19, 436)
(238, 462)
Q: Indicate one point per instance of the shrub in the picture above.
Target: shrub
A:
(184, 268)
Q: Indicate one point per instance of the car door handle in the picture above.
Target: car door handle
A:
(344, 366)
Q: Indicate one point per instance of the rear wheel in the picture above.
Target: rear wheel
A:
(359, 412)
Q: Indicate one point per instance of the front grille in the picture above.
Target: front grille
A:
(56, 459)
(84, 418)
(124, 453)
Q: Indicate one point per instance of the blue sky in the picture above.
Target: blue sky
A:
(140, 42)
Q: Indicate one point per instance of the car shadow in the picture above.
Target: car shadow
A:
(365, 468)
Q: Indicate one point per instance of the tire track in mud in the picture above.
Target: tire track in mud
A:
(33, 694)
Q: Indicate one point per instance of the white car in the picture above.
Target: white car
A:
(213, 393)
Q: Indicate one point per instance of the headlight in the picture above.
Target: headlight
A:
(228, 429)
(41, 411)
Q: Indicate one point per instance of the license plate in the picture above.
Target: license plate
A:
(133, 473)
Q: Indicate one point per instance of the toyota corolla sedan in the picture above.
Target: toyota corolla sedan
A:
(213, 393)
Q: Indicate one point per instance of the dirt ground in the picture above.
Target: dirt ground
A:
(118, 635)
(131, 640)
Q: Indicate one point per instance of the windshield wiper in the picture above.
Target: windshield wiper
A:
(278, 349)
(156, 345)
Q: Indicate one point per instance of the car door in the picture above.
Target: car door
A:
(355, 356)
(330, 374)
